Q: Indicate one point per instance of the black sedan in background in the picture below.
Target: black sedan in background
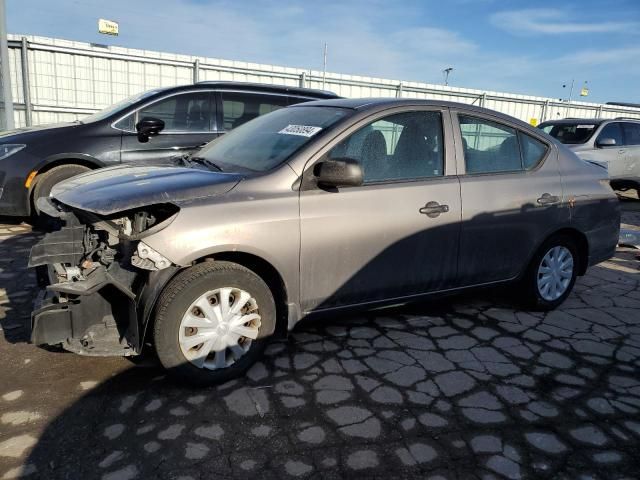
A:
(153, 126)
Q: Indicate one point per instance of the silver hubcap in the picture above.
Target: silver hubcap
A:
(218, 328)
(555, 273)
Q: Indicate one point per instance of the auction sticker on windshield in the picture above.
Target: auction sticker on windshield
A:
(301, 130)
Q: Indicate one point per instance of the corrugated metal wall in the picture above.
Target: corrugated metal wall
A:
(68, 80)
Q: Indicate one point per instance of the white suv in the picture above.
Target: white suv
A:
(614, 143)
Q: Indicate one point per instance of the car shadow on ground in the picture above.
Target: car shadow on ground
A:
(17, 283)
(463, 387)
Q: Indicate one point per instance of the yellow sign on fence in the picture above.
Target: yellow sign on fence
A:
(108, 27)
(533, 122)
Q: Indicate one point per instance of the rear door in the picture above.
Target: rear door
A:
(397, 234)
(511, 197)
(615, 155)
(190, 122)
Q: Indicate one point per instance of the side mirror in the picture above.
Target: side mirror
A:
(606, 142)
(340, 172)
(148, 127)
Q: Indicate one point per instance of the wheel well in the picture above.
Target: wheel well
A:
(581, 244)
(54, 164)
(271, 277)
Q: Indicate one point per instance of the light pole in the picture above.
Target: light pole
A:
(570, 90)
(446, 73)
(324, 65)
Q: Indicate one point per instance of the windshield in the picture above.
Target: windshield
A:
(569, 133)
(269, 140)
(116, 107)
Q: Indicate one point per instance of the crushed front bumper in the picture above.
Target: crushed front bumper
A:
(96, 317)
(95, 314)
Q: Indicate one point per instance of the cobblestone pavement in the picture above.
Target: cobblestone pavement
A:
(465, 388)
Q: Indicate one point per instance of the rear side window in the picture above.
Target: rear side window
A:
(533, 151)
(489, 146)
(492, 147)
(239, 108)
(611, 130)
(631, 133)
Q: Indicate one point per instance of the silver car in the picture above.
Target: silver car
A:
(612, 143)
(311, 210)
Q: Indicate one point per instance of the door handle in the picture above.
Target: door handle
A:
(548, 199)
(433, 209)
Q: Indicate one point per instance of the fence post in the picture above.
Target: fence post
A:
(599, 114)
(6, 95)
(303, 79)
(26, 83)
(483, 99)
(196, 71)
(399, 92)
(545, 107)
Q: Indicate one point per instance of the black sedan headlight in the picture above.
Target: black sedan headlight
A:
(8, 149)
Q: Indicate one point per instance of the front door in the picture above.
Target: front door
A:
(632, 146)
(511, 195)
(397, 234)
(615, 155)
(189, 120)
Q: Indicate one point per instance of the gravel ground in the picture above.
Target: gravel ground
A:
(466, 387)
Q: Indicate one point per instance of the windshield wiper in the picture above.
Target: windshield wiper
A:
(206, 162)
(189, 159)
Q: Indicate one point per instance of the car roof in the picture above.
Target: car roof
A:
(255, 87)
(363, 104)
(595, 121)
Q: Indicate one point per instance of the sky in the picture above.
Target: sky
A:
(512, 46)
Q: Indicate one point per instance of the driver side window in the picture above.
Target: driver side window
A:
(187, 112)
(612, 130)
(403, 146)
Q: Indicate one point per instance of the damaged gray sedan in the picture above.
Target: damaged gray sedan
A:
(311, 210)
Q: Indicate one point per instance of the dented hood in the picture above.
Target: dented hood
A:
(111, 190)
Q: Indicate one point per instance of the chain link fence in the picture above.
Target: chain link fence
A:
(56, 80)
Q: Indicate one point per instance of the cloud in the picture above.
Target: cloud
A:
(626, 56)
(365, 37)
(555, 22)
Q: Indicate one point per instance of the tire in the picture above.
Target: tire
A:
(45, 183)
(207, 284)
(532, 291)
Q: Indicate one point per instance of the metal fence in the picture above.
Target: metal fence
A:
(57, 80)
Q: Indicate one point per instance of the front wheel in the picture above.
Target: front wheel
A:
(43, 186)
(211, 322)
(551, 274)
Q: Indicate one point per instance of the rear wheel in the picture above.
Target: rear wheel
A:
(210, 322)
(551, 274)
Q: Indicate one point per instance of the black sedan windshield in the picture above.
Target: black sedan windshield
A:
(121, 105)
(270, 139)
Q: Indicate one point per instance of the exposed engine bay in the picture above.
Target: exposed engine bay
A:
(97, 276)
